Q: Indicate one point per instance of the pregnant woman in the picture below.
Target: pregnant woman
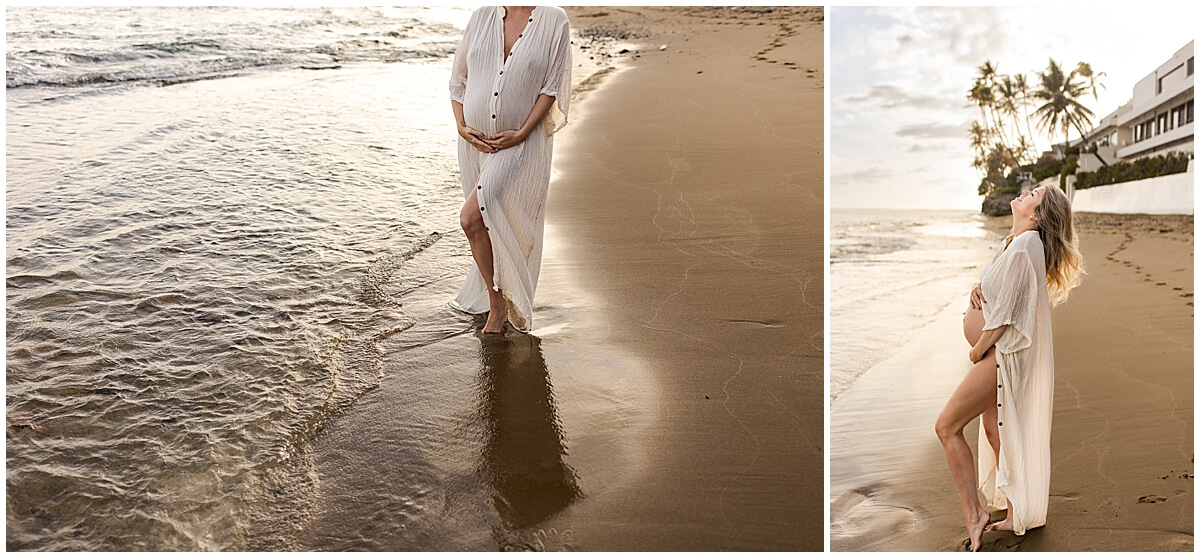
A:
(1012, 382)
(510, 88)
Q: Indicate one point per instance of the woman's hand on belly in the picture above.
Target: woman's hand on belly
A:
(475, 138)
(977, 299)
(509, 138)
(976, 355)
(987, 340)
(506, 139)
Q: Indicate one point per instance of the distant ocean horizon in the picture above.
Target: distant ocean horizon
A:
(974, 208)
(891, 271)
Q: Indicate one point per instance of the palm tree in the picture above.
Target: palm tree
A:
(981, 95)
(1085, 71)
(1062, 109)
(1025, 148)
(986, 86)
(979, 138)
(1022, 87)
(1093, 79)
(992, 109)
(1007, 102)
(987, 72)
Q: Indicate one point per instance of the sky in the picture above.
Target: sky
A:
(899, 76)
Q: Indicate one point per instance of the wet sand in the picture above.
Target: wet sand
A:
(1121, 449)
(670, 396)
(692, 193)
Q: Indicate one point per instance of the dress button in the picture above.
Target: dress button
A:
(1000, 424)
(481, 208)
(493, 116)
(531, 19)
(519, 35)
(501, 72)
(999, 405)
(496, 94)
(1001, 386)
(480, 187)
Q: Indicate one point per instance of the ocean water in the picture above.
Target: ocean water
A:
(83, 46)
(213, 218)
(891, 272)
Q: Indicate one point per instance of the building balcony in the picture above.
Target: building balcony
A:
(1184, 131)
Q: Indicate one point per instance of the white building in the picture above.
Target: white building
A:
(1157, 119)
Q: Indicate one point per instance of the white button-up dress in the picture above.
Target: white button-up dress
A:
(498, 94)
(1014, 285)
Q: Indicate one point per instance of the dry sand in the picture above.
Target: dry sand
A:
(1121, 448)
(671, 394)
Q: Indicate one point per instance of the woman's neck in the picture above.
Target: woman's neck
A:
(1022, 224)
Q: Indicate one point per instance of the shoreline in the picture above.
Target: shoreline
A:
(658, 439)
(896, 270)
(1123, 395)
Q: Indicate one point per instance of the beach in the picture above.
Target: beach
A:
(678, 320)
(1121, 446)
(227, 318)
(695, 191)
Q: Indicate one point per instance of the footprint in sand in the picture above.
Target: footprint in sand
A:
(860, 512)
(1151, 500)
(1066, 497)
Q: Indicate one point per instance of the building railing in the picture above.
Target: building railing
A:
(1156, 141)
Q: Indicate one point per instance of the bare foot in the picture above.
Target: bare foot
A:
(496, 318)
(1003, 525)
(975, 529)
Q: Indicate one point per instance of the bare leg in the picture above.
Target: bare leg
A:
(972, 398)
(989, 423)
(481, 249)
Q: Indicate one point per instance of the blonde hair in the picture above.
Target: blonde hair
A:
(1064, 263)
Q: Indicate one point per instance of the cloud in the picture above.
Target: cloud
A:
(934, 131)
(890, 96)
(873, 174)
(965, 35)
(923, 148)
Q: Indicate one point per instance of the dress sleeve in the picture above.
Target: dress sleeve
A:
(458, 70)
(557, 82)
(1016, 305)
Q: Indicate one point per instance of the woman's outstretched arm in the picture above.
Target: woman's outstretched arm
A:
(509, 138)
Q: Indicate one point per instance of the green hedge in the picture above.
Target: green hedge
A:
(1148, 167)
(1045, 167)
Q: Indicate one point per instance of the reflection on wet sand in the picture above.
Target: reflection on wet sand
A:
(523, 442)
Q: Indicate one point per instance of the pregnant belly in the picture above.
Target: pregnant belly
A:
(973, 325)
